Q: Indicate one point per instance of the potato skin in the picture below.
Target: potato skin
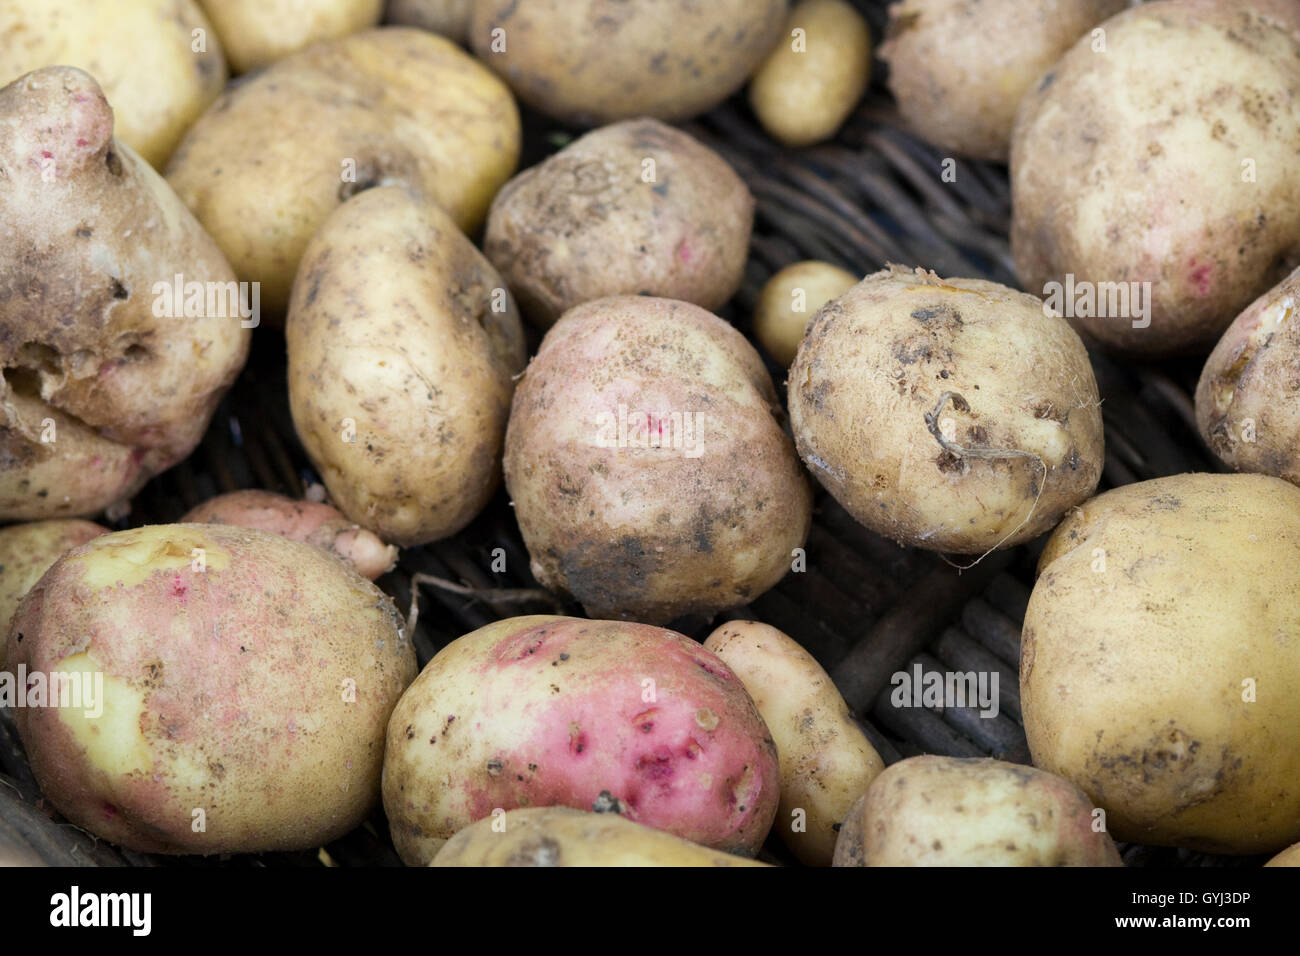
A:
(1245, 400)
(451, 18)
(959, 68)
(1288, 857)
(878, 360)
(705, 522)
(558, 711)
(90, 230)
(405, 106)
(223, 689)
(1128, 167)
(674, 59)
(826, 760)
(311, 522)
(563, 836)
(563, 232)
(803, 96)
(1154, 603)
(256, 33)
(140, 51)
(777, 326)
(393, 326)
(950, 811)
(28, 550)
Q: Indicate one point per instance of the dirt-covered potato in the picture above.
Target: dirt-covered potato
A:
(1246, 400)
(650, 474)
(1169, 160)
(790, 299)
(1158, 668)
(949, 811)
(222, 690)
(391, 106)
(256, 33)
(28, 550)
(312, 522)
(959, 68)
(563, 836)
(826, 760)
(403, 344)
(597, 715)
(635, 208)
(815, 75)
(158, 61)
(950, 414)
(449, 17)
(589, 62)
(110, 375)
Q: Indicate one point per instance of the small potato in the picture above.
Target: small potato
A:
(649, 472)
(391, 106)
(213, 675)
(949, 811)
(826, 760)
(310, 522)
(1163, 168)
(950, 414)
(560, 711)
(587, 223)
(790, 299)
(959, 68)
(451, 18)
(562, 836)
(589, 62)
(1246, 400)
(403, 345)
(145, 55)
(28, 550)
(816, 74)
(1288, 857)
(256, 33)
(1159, 669)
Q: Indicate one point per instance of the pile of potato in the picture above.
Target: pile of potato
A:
(451, 322)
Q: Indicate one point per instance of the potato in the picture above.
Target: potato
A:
(1245, 401)
(311, 522)
(1168, 160)
(790, 299)
(562, 836)
(392, 106)
(28, 550)
(826, 760)
(562, 232)
(449, 17)
(950, 811)
(590, 62)
(812, 79)
(648, 469)
(1158, 666)
(158, 61)
(959, 69)
(256, 33)
(241, 685)
(950, 414)
(106, 380)
(559, 711)
(403, 406)
(1288, 857)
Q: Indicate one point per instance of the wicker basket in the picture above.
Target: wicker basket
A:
(865, 607)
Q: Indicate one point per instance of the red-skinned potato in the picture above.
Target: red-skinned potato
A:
(603, 715)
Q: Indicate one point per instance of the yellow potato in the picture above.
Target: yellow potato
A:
(391, 106)
(1288, 857)
(1159, 667)
(790, 299)
(259, 32)
(812, 79)
(826, 760)
(158, 61)
(562, 836)
(451, 18)
(28, 550)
